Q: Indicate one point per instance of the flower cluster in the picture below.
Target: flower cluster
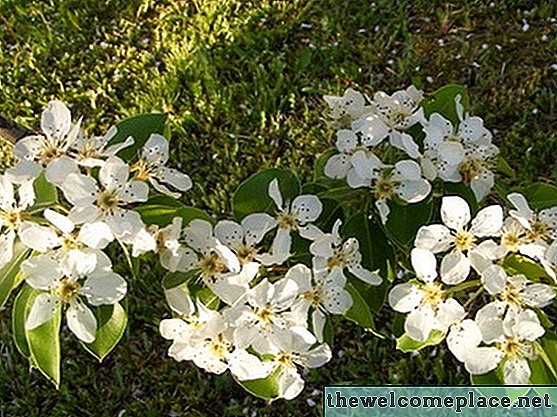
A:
(267, 312)
(388, 144)
(485, 253)
(93, 198)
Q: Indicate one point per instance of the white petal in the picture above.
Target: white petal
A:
(383, 209)
(172, 329)
(179, 300)
(371, 130)
(175, 178)
(124, 224)
(155, 149)
(104, 287)
(337, 166)
(455, 268)
(463, 339)
(81, 321)
(318, 320)
(85, 214)
(516, 371)
(449, 312)
(230, 233)
(424, 263)
(366, 164)
(246, 366)
(407, 170)
(6, 247)
(494, 279)
(308, 207)
(317, 357)
(434, 237)
(369, 277)
(419, 323)
(413, 191)
(482, 184)
(198, 235)
(337, 300)
(483, 360)
(523, 212)
(405, 142)
(280, 250)
(41, 272)
(96, 235)
(487, 222)
(44, 307)
(537, 295)
(58, 170)
(455, 212)
(405, 297)
(354, 180)
(346, 140)
(113, 174)
(63, 223)
(80, 190)
(290, 383)
(56, 120)
(134, 191)
(39, 238)
(274, 193)
(24, 171)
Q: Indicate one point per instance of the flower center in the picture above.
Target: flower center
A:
(107, 201)
(338, 259)
(470, 170)
(13, 219)
(219, 348)
(314, 296)
(453, 138)
(511, 241)
(539, 231)
(434, 294)
(398, 118)
(142, 170)
(246, 254)
(511, 295)
(464, 240)
(287, 221)
(67, 289)
(511, 346)
(286, 359)
(211, 265)
(70, 242)
(384, 189)
(264, 314)
(48, 154)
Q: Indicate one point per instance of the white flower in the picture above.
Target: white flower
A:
(351, 104)
(455, 234)
(297, 217)
(151, 167)
(91, 151)
(68, 278)
(205, 339)
(330, 253)
(513, 336)
(400, 110)
(323, 292)
(516, 291)
(48, 151)
(476, 169)
(107, 205)
(426, 302)
(542, 225)
(295, 350)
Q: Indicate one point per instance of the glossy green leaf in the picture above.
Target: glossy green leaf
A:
(518, 264)
(503, 167)
(140, 127)
(163, 215)
(404, 221)
(45, 192)
(540, 195)
(359, 312)
(406, 344)
(44, 347)
(267, 388)
(443, 101)
(205, 295)
(111, 325)
(10, 277)
(252, 196)
(491, 378)
(22, 305)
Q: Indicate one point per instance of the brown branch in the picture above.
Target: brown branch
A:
(11, 131)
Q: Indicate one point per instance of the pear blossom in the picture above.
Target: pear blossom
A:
(294, 351)
(514, 337)
(296, 216)
(92, 151)
(541, 225)
(516, 291)
(48, 151)
(97, 208)
(204, 338)
(151, 167)
(330, 254)
(476, 169)
(426, 302)
(320, 291)
(351, 104)
(455, 235)
(69, 278)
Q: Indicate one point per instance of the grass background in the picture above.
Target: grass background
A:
(242, 83)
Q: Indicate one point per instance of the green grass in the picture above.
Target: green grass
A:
(242, 83)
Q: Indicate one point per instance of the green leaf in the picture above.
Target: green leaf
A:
(175, 279)
(359, 312)
(267, 388)
(252, 196)
(404, 221)
(205, 295)
(45, 192)
(540, 195)
(140, 127)
(162, 215)
(443, 101)
(21, 308)
(518, 264)
(491, 378)
(44, 347)
(377, 254)
(111, 324)
(406, 344)
(320, 162)
(504, 168)
(10, 277)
